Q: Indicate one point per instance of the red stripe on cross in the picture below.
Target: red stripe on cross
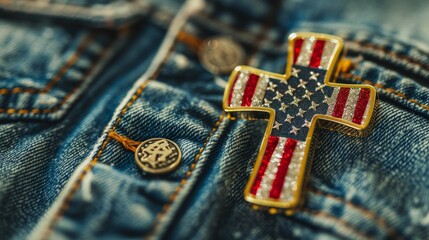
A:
(297, 49)
(361, 105)
(277, 186)
(340, 104)
(249, 90)
(316, 55)
(269, 150)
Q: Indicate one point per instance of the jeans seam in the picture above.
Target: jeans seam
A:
(69, 9)
(183, 181)
(392, 54)
(390, 90)
(380, 221)
(64, 206)
(58, 106)
(83, 45)
(339, 221)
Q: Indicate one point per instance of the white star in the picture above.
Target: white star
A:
(283, 107)
(278, 96)
(306, 123)
(301, 83)
(289, 118)
(267, 103)
(271, 86)
(320, 88)
(294, 130)
(307, 94)
(277, 125)
(290, 90)
(314, 75)
(314, 105)
(295, 102)
(301, 113)
(295, 72)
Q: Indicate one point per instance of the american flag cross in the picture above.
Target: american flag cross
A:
(295, 104)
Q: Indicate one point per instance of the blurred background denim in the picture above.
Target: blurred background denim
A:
(72, 71)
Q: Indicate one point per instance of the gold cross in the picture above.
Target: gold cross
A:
(296, 104)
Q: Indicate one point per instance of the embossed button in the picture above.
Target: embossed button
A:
(158, 155)
(221, 54)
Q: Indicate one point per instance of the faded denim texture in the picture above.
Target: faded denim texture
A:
(72, 71)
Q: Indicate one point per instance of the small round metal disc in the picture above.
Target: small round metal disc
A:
(158, 155)
(221, 54)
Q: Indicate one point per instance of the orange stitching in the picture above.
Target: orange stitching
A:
(392, 54)
(73, 190)
(126, 142)
(18, 90)
(381, 86)
(365, 212)
(184, 180)
(338, 221)
(59, 75)
(73, 59)
(76, 185)
(63, 101)
(192, 41)
(88, 167)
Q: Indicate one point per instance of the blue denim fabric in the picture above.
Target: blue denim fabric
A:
(69, 76)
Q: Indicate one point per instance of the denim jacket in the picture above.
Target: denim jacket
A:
(72, 72)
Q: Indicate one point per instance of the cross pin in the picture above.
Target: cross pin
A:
(295, 105)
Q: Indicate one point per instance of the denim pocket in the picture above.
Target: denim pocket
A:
(44, 67)
(51, 51)
(99, 14)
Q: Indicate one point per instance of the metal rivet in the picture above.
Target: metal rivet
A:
(273, 211)
(158, 155)
(221, 54)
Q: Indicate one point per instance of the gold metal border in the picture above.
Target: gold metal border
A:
(318, 120)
